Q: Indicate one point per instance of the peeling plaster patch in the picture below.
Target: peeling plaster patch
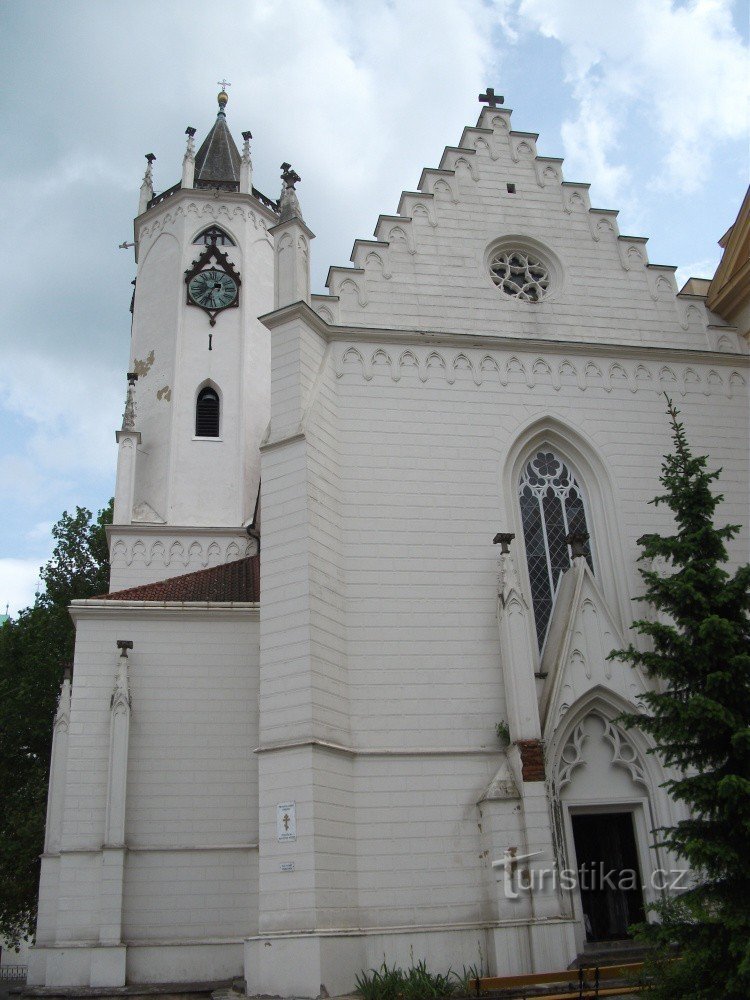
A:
(142, 368)
(165, 392)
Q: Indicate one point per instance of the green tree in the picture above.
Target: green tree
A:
(34, 647)
(699, 718)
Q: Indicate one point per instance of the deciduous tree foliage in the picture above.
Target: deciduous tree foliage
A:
(33, 651)
(699, 718)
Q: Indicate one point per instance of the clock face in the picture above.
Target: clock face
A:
(213, 289)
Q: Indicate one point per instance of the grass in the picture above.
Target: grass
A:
(415, 983)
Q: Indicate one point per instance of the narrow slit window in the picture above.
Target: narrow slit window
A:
(214, 236)
(207, 413)
(552, 506)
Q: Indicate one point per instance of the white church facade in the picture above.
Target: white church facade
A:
(370, 552)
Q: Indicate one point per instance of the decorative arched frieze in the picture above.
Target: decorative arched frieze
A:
(163, 553)
(540, 371)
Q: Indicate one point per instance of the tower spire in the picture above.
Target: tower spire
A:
(217, 162)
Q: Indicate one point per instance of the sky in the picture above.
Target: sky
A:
(647, 101)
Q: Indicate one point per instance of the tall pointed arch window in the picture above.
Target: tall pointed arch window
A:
(552, 506)
(207, 413)
(214, 235)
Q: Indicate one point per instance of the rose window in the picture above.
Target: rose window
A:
(520, 274)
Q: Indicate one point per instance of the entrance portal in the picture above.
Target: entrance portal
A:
(609, 876)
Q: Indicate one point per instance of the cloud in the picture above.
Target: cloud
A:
(19, 581)
(677, 70)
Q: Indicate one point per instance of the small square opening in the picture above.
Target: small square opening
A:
(511, 188)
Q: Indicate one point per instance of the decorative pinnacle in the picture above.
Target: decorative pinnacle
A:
(504, 538)
(128, 417)
(491, 99)
(577, 542)
(289, 177)
(148, 176)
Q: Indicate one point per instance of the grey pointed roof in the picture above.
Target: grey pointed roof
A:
(218, 159)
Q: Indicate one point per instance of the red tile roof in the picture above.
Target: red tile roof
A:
(233, 581)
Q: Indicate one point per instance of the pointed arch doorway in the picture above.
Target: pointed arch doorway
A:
(606, 819)
(610, 881)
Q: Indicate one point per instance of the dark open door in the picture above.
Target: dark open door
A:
(609, 875)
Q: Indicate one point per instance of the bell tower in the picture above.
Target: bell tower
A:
(198, 401)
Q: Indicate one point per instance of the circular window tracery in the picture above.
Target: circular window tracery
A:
(520, 274)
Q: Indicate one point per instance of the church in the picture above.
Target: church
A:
(348, 697)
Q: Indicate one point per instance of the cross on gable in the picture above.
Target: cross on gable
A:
(490, 99)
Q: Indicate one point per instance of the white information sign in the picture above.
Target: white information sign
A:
(286, 822)
(287, 866)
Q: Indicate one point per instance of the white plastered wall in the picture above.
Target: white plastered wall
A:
(189, 892)
(181, 479)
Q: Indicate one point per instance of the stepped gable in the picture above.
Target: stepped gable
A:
(237, 581)
(429, 265)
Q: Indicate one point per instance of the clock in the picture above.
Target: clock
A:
(213, 283)
(213, 289)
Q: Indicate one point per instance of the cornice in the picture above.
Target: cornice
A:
(144, 528)
(535, 345)
(100, 608)
(206, 195)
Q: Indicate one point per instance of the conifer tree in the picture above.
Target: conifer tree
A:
(699, 718)
(34, 647)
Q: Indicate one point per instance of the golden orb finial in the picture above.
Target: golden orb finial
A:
(223, 95)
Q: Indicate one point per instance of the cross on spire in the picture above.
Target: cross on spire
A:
(491, 99)
(223, 84)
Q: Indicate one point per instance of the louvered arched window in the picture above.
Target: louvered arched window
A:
(207, 409)
(552, 506)
(214, 235)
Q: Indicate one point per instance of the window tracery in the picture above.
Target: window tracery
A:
(552, 507)
(520, 274)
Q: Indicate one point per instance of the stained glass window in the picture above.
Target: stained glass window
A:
(552, 506)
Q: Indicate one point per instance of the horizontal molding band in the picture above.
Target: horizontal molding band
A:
(380, 752)
(478, 925)
(413, 336)
(153, 849)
